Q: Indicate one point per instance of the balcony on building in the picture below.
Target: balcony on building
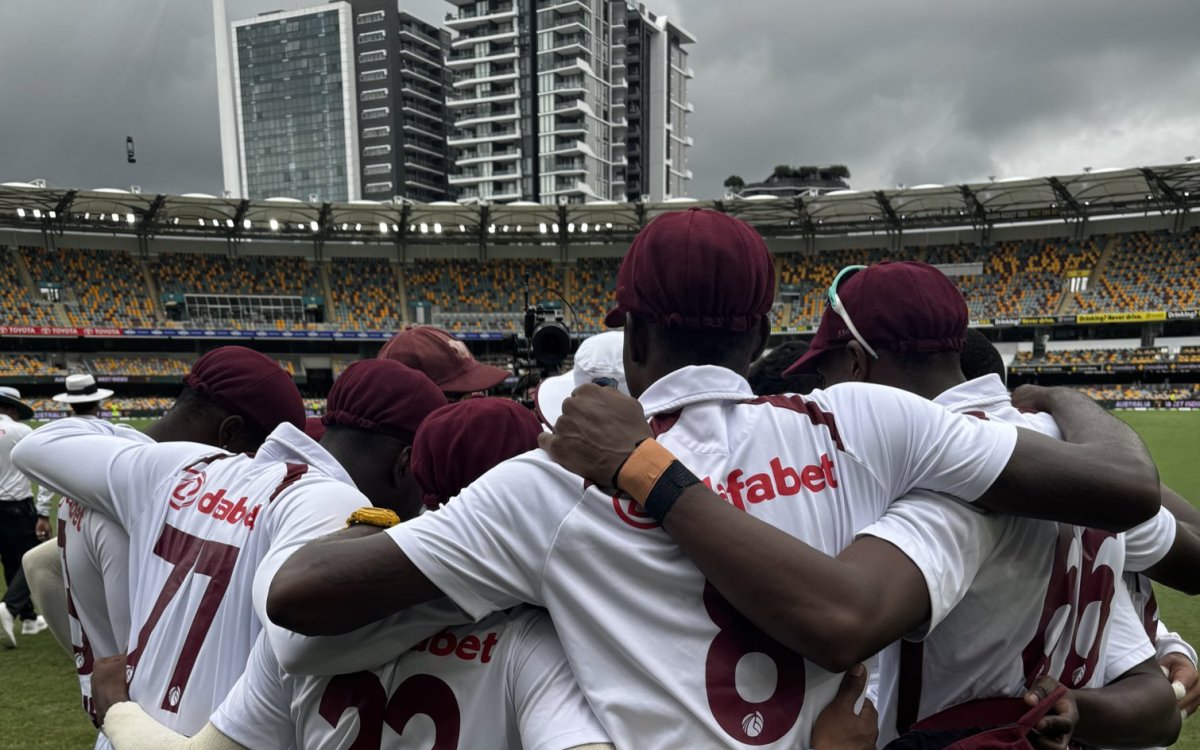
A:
(496, 73)
(563, 6)
(468, 17)
(490, 52)
(481, 94)
(483, 33)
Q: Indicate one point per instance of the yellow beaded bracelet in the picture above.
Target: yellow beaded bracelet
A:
(381, 517)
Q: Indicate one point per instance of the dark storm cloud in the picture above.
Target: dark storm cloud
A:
(937, 92)
(904, 92)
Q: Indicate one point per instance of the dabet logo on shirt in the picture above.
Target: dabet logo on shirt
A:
(188, 489)
(214, 504)
(740, 489)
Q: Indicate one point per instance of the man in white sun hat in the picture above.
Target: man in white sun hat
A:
(17, 520)
(599, 360)
(84, 397)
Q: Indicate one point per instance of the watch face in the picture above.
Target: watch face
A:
(605, 382)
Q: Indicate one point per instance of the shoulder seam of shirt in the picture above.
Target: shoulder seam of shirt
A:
(554, 540)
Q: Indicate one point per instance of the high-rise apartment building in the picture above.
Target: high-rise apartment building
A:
(656, 105)
(336, 102)
(542, 97)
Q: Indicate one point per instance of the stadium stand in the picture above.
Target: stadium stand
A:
(100, 287)
(1188, 355)
(142, 404)
(1067, 357)
(1138, 392)
(194, 273)
(16, 365)
(1149, 271)
(18, 303)
(139, 366)
(478, 295)
(1143, 271)
(365, 295)
(592, 290)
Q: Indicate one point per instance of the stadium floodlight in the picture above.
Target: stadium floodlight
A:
(462, 228)
(583, 228)
(300, 227)
(130, 218)
(314, 226)
(491, 229)
(542, 228)
(216, 223)
(87, 216)
(53, 215)
(396, 228)
(229, 223)
(608, 225)
(246, 224)
(116, 218)
(437, 228)
(382, 228)
(424, 228)
(274, 225)
(200, 222)
(504, 228)
(345, 227)
(518, 227)
(570, 227)
(358, 227)
(37, 213)
(554, 227)
(21, 212)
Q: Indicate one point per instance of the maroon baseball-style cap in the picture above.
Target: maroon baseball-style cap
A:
(461, 442)
(249, 384)
(902, 306)
(382, 396)
(696, 269)
(443, 358)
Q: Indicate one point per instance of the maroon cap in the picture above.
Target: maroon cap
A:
(383, 397)
(314, 428)
(249, 384)
(461, 442)
(901, 306)
(443, 358)
(696, 269)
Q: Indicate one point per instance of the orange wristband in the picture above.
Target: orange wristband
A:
(642, 469)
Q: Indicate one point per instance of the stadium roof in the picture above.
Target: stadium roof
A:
(1171, 189)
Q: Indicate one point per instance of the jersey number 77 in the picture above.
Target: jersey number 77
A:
(187, 554)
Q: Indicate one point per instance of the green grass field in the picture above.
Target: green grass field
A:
(39, 699)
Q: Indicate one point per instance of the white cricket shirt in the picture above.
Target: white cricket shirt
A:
(499, 684)
(663, 660)
(201, 524)
(1011, 598)
(14, 485)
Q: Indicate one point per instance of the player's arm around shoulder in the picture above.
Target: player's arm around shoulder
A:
(1099, 475)
(129, 727)
(493, 536)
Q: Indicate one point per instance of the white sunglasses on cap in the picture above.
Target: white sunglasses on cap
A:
(835, 304)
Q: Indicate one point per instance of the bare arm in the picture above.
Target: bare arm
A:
(360, 575)
(1138, 710)
(1099, 475)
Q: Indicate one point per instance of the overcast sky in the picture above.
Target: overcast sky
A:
(908, 92)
